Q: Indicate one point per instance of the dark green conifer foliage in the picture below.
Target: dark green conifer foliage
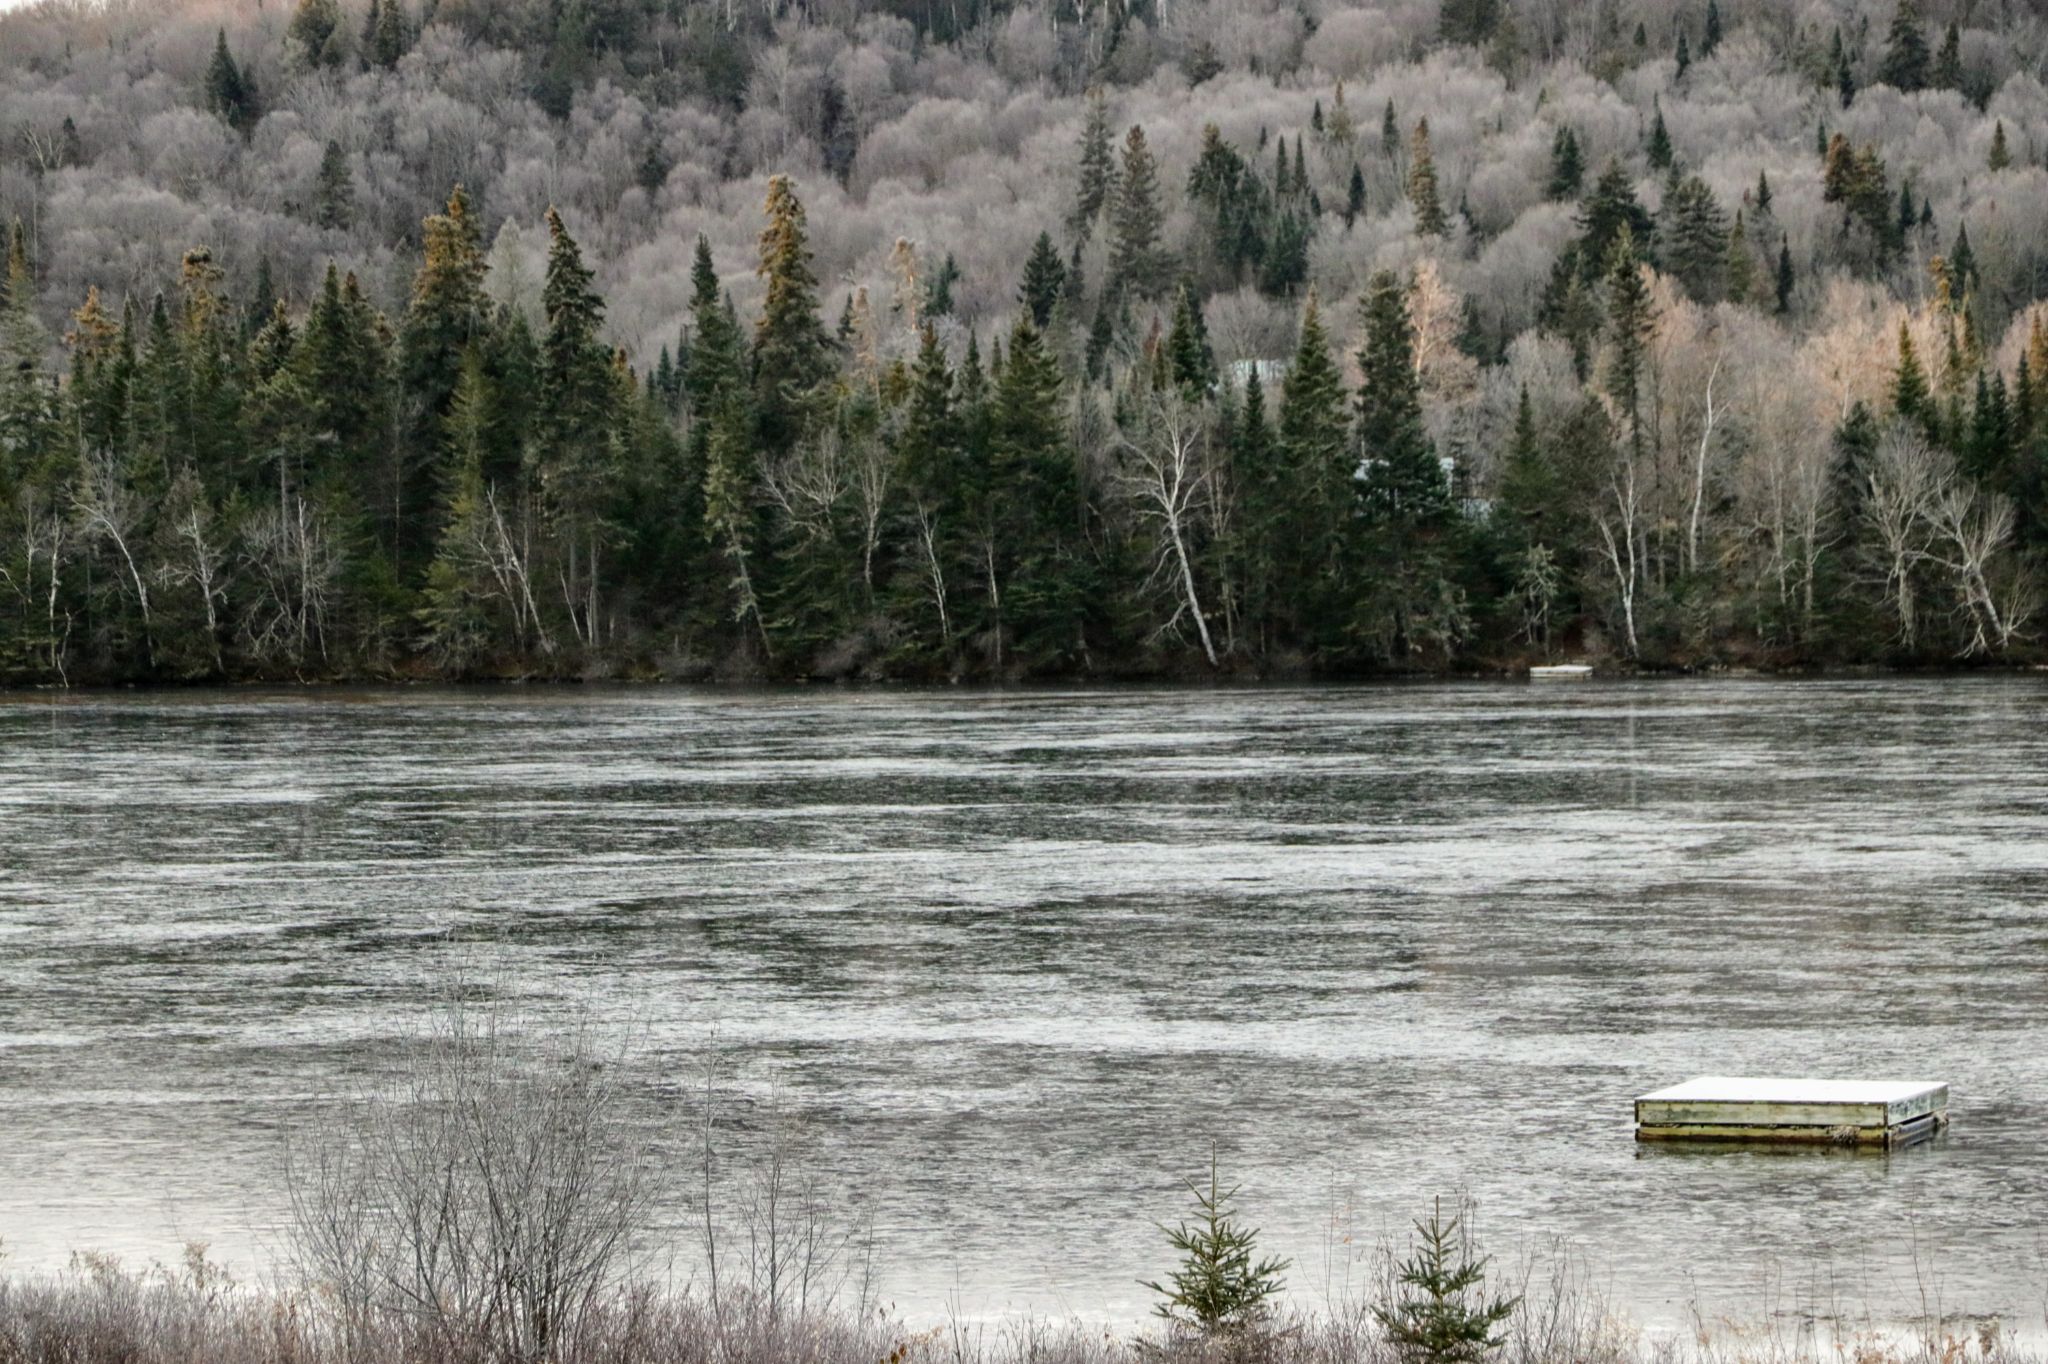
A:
(1315, 562)
(391, 36)
(1444, 1317)
(1694, 234)
(1710, 36)
(1567, 165)
(2000, 155)
(791, 352)
(1607, 212)
(1045, 276)
(315, 33)
(1138, 262)
(1783, 283)
(1683, 56)
(1038, 564)
(1423, 194)
(1630, 321)
(1191, 361)
(1354, 196)
(1098, 168)
(1659, 145)
(1948, 64)
(334, 191)
(1221, 1286)
(230, 92)
(1906, 59)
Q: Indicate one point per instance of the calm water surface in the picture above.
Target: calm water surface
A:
(1022, 956)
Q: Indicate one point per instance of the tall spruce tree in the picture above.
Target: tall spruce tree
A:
(1906, 61)
(1138, 262)
(792, 355)
(1423, 193)
(1045, 277)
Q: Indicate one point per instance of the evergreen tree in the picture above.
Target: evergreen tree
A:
(1038, 564)
(1694, 233)
(334, 191)
(1912, 400)
(1191, 361)
(1469, 21)
(1763, 193)
(576, 452)
(1630, 323)
(315, 33)
(1948, 64)
(1354, 196)
(1741, 267)
(1906, 61)
(791, 352)
(1608, 211)
(1659, 146)
(2001, 155)
(1098, 168)
(1423, 195)
(230, 93)
(391, 36)
(443, 320)
(1256, 471)
(1404, 496)
(1442, 1319)
(1782, 283)
(1567, 165)
(1710, 36)
(1314, 563)
(1221, 1287)
(1137, 262)
(1390, 133)
(1682, 57)
(1045, 275)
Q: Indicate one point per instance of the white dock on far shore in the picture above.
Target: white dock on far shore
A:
(1825, 1112)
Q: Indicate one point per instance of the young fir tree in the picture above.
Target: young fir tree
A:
(1098, 168)
(1659, 146)
(1763, 193)
(792, 356)
(1137, 261)
(230, 91)
(1443, 1317)
(1567, 165)
(334, 191)
(1423, 194)
(1045, 276)
(1912, 399)
(1948, 63)
(1191, 362)
(1221, 1287)
(2000, 155)
(1906, 60)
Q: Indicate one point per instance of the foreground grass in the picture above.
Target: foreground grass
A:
(99, 1312)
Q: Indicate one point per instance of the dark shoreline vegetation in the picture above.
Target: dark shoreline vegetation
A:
(1315, 341)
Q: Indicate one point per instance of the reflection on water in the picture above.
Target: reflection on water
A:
(1023, 955)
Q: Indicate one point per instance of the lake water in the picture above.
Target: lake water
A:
(1022, 956)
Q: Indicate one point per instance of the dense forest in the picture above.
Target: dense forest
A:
(957, 338)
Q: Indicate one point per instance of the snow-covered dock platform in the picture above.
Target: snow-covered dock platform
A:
(1827, 1112)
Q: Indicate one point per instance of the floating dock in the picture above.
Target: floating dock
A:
(1883, 1113)
(1560, 672)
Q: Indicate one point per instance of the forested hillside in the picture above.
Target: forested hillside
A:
(935, 338)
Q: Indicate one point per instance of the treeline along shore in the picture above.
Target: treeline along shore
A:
(1496, 343)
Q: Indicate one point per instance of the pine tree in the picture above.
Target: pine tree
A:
(1905, 66)
(1659, 147)
(1710, 36)
(1682, 57)
(1845, 77)
(1220, 1287)
(1630, 322)
(334, 191)
(1191, 361)
(1137, 262)
(1912, 400)
(1390, 133)
(1403, 482)
(1741, 267)
(1962, 264)
(1609, 210)
(1782, 282)
(1038, 563)
(1354, 196)
(314, 33)
(1443, 1319)
(1314, 562)
(1567, 165)
(1694, 234)
(1763, 193)
(1045, 275)
(791, 352)
(1423, 195)
(1948, 65)
(2001, 155)
(444, 318)
(230, 93)
(392, 35)
(577, 467)
(1098, 168)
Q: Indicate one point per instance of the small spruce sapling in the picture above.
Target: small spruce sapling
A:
(1220, 1287)
(1443, 1317)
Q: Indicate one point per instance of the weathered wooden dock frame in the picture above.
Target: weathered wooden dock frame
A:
(1882, 1113)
